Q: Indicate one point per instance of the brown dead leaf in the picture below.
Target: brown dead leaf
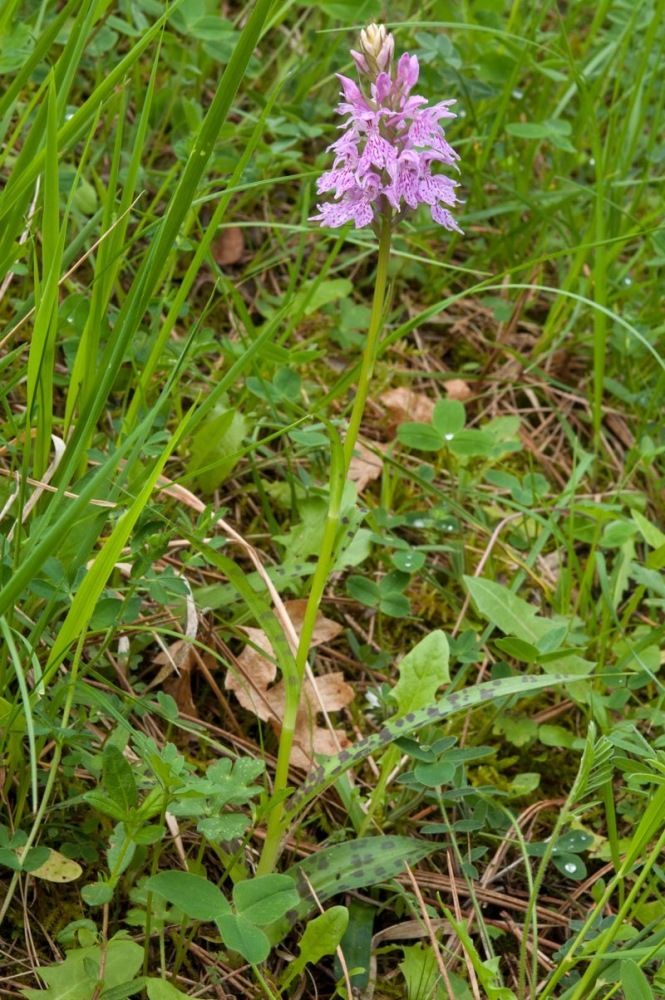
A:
(457, 388)
(324, 628)
(405, 404)
(229, 246)
(251, 682)
(365, 466)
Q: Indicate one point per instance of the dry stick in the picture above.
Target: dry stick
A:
(430, 931)
(459, 916)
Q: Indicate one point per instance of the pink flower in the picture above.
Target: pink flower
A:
(390, 143)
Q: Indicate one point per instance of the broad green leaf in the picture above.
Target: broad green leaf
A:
(510, 614)
(422, 672)
(35, 858)
(160, 989)
(652, 535)
(474, 443)
(97, 894)
(241, 935)
(215, 447)
(364, 591)
(633, 981)
(118, 779)
(70, 980)
(421, 973)
(330, 290)
(528, 130)
(408, 560)
(422, 437)
(266, 898)
(100, 801)
(520, 650)
(194, 895)
(555, 736)
(395, 605)
(448, 418)
(323, 934)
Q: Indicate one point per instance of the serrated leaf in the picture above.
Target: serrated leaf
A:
(323, 934)
(510, 614)
(118, 779)
(101, 802)
(194, 895)
(422, 672)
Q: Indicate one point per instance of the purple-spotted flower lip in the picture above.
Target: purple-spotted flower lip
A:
(389, 144)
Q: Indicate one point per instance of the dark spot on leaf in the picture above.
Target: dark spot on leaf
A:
(410, 716)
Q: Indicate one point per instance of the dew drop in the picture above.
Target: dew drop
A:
(570, 867)
(518, 94)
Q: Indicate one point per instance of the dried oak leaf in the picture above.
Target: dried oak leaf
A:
(405, 404)
(457, 388)
(252, 683)
(365, 466)
(229, 246)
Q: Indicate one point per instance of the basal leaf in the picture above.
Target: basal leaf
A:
(193, 894)
(422, 672)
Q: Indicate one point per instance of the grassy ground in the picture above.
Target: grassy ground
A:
(179, 354)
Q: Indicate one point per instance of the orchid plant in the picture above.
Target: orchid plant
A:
(384, 167)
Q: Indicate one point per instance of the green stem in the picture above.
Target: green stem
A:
(326, 558)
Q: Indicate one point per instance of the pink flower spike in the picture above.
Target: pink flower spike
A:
(390, 144)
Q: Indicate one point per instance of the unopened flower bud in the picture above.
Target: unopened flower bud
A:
(377, 50)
